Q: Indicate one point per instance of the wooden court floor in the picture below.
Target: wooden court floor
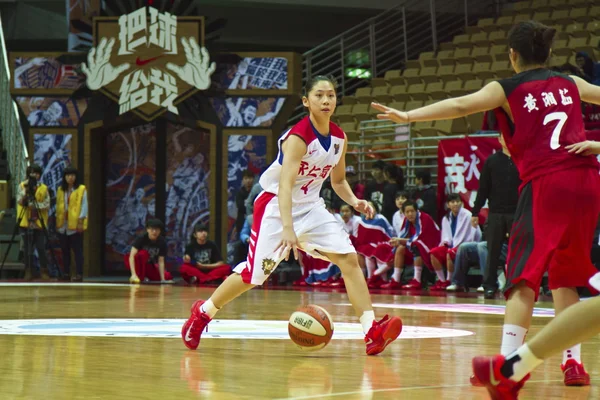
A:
(94, 341)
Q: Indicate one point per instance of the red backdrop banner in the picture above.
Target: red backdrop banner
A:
(460, 162)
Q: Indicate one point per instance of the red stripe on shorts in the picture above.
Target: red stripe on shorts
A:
(260, 204)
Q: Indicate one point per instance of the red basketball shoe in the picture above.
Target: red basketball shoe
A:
(413, 284)
(382, 333)
(391, 285)
(575, 374)
(475, 381)
(487, 371)
(193, 327)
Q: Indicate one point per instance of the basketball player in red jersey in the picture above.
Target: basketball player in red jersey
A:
(289, 215)
(539, 112)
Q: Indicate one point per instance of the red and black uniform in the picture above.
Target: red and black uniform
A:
(559, 201)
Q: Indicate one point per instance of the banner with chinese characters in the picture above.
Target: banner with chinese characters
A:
(130, 179)
(148, 61)
(251, 73)
(459, 167)
(188, 185)
(244, 152)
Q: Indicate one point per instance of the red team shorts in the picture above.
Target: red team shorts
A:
(553, 229)
(441, 253)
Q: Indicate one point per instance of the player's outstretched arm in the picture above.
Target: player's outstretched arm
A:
(489, 97)
(587, 92)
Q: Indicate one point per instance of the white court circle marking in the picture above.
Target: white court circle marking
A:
(218, 329)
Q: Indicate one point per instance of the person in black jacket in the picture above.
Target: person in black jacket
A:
(240, 198)
(499, 184)
(425, 195)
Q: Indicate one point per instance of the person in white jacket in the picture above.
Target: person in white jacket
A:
(456, 229)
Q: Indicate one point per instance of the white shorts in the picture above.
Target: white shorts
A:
(316, 228)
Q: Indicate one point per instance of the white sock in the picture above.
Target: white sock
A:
(370, 266)
(574, 353)
(522, 361)
(366, 320)
(209, 308)
(513, 337)
(397, 274)
(381, 268)
(418, 272)
(440, 275)
(448, 275)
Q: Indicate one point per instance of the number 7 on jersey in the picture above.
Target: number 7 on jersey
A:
(561, 117)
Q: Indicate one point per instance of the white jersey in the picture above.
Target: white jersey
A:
(397, 222)
(316, 164)
(351, 227)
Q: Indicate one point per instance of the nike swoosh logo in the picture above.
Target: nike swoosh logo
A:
(139, 62)
(187, 334)
(493, 379)
(370, 341)
(567, 370)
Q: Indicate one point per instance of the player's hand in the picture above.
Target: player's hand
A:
(98, 70)
(197, 70)
(585, 148)
(187, 259)
(289, 242)
(363, 207)
(395, 242)
(474, 221)
(391, 114)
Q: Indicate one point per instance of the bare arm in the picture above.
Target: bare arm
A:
(338, 180)
(342, 188)
(161, 268)
(132, 254)
(489, 97)
(590, 94)
(211, 266)
(294, 149)
(587, 92)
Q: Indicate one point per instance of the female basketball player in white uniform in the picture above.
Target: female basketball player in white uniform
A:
(289, 214)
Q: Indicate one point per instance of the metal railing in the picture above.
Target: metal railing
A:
(12, 133)
(390, 142)
(388, 40)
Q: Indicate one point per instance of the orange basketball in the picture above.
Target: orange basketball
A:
(310, 327)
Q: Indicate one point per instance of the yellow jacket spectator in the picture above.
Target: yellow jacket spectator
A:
(71, 221)
(33, 202)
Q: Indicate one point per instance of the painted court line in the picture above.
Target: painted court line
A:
(399, 389)
(66, 284)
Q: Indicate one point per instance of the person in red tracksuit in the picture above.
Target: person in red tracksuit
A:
(202, 261)
(147, 255)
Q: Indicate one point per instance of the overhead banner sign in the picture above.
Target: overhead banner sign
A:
(148, 61)
(460, 162)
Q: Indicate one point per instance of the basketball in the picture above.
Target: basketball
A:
(310, 327)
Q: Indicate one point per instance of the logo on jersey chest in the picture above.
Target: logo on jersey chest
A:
(336, 148)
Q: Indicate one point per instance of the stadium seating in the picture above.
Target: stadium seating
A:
(465, 64)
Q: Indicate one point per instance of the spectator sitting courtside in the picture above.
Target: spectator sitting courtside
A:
(202, 261)
(147, 256)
